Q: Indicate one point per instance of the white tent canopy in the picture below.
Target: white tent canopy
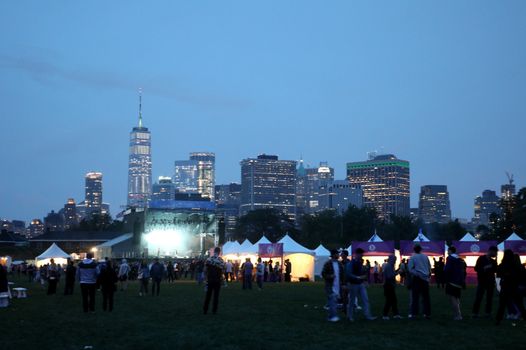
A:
(53, 252)
(421, 237)
(230, 248)
(512, 237)
(322, 251)
(247, 247)
(375, 238)
(291, 246)
(262, 240)
(301, 258)
(468, 237)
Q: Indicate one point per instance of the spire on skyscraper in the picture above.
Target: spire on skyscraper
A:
(140, 107)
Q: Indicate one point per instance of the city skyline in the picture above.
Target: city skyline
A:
(363, 79)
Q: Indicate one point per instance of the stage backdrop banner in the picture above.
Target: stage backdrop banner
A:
(374, 248)
(473, 248)
(429, 248)
(270, 250)
(518, 247)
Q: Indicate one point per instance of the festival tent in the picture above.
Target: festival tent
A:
(469, 248)
(230, 247)
(516, 244)
(262, 240)
(240, 252)
(301, 258)
(430, 248)
(53, 252)
(375, 249)
(321, 257)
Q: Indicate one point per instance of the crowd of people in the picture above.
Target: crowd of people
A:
(346, 280)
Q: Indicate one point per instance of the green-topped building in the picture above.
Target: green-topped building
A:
(385, 183)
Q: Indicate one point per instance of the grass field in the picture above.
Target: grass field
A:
(281, 316)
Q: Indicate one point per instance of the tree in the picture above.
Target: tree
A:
(259, 222)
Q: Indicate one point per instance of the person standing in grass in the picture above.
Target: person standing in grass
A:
(486, 268)
(355, 275)
(333, 275)
(455, 278)
(144, 278)
(214, 270)
(344, 294)
(260, 273)
(247, 274)
(391, 302)
(52, 275)
(288, 270)
(157, 274)
(87, 273)
(108, 282)
(124, 271)
(71, 271)
(420, 270)
(510, 272)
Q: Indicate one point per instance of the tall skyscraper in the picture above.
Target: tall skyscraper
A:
(485, 205)
(139, 165)
(186, 173)
(93, 193)
(228, 199)
(434, 205)
(71, 218)
(206, 166)
(54, 222)
(384, 180)
(267, 182)
(163, 190)
(309, 182)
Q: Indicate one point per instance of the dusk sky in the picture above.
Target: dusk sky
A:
(441, 84)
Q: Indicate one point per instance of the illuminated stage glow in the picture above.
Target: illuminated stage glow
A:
(170, 242)
(180, 232)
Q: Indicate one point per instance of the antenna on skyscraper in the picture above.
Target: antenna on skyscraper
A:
(140, 107)
(510, 178)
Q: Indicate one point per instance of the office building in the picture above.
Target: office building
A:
(35, 228)
(434, 205)
(139, 165)
(228, 200)
(185, 176)
(163, 190)
(93, 193)
(71, 218)
(384, 180)
(485, 206)
(309, 182)
(267, 182)
(339, 195)
(54, 222)
(206, 167)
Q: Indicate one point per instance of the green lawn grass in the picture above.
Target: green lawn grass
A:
(281, 316)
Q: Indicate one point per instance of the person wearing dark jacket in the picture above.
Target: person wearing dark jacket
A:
(288, 270)
(156, 273)
(391, 302)
(486, 268)
(108, 282)
(333, 275)
(214, 270)
(71, 271)
(510, 272)
(455, 278)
